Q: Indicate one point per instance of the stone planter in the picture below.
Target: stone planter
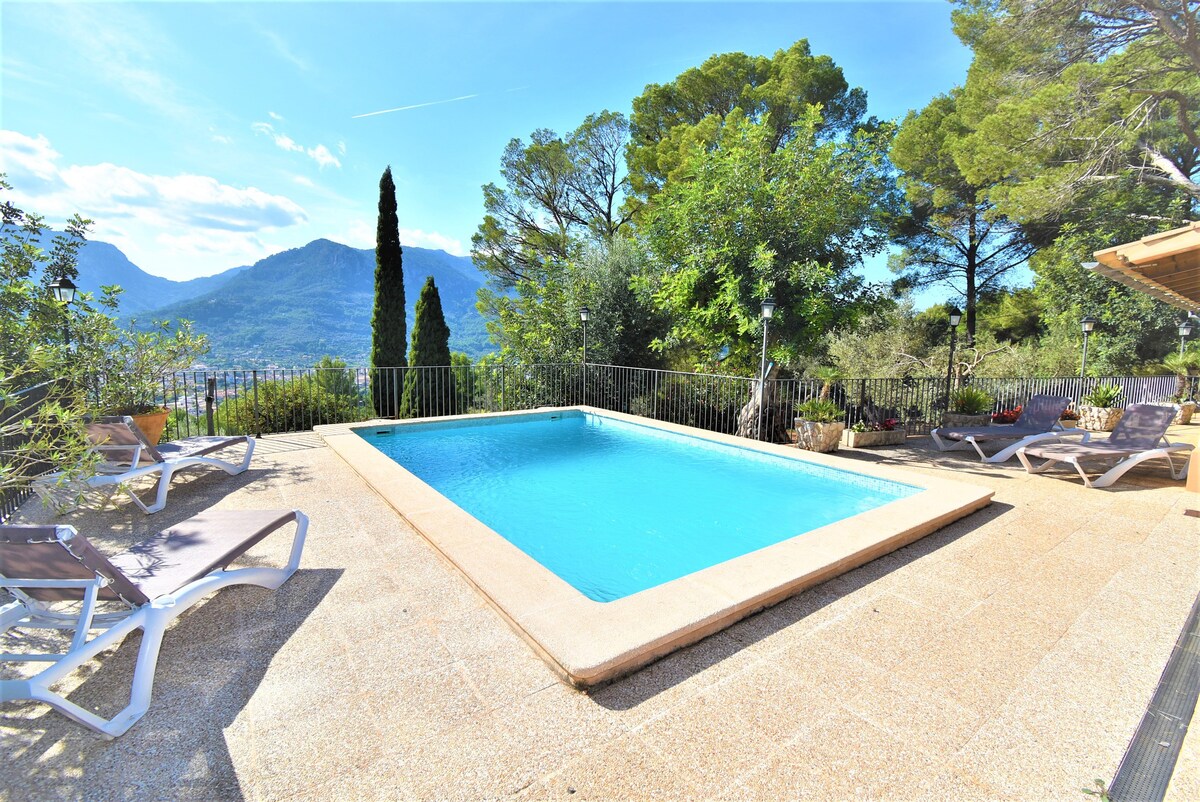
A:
(1184, 415)
(1068, 424)
(818, 436)
(958, 419)
(1099, 419)
(852, 439)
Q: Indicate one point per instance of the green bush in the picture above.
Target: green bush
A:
(1102, 395)
(820, 410)
(970, 401)
(290, 406)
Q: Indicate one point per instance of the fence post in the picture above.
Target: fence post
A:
(210, 397)
(257, 419)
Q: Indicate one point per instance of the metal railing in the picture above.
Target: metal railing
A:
(15, 408)
(265, 401)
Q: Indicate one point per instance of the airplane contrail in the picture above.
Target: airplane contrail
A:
(414, 106)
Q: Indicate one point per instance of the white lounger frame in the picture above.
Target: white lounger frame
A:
(1005, 453)
(1127, 461)
(152, 618)
(104, 485)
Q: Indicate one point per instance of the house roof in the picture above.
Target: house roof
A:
(1164, 265)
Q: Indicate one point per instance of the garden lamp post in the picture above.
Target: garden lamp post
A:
(1086, 325)
(64, 292)
(1185, 328)
(955, 319)
(768, 309)
(584, 314)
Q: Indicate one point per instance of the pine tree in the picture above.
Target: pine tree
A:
(429, 381)
(387, 319)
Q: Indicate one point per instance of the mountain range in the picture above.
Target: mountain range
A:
(293, 308)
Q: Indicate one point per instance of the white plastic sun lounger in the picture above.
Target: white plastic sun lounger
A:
(1038, 421)
(128, 455)
(1140, 435)
(154, 582)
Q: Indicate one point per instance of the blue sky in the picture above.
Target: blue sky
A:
(202, 136)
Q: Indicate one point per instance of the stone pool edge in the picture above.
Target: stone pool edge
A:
(589, 643)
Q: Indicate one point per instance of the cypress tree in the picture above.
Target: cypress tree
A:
(388, 325)
(429, 382)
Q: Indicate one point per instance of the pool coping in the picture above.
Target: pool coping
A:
(588, 642)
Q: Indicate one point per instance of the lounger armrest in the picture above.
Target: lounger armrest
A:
(118, 466)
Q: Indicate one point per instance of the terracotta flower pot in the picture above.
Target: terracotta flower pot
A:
(1099, 419)
(1068, 424)
(152, 423)
(818, 436)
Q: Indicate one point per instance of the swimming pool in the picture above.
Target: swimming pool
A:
(614, 507)
(588, 642)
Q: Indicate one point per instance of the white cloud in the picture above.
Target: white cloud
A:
(181, 225)
(359, 234)
(280, 45)
(222, 139)
(303, 181)
(342, 148)
(276, 117)
(320, 154)
(428, 239)
(27, 159)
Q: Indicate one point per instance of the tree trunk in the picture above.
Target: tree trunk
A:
(775, 415)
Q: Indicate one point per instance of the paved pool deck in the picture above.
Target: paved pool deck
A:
(1010, 655)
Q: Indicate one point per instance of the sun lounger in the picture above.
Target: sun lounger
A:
(129, 455)
(1038, 421)
(151, 584)
(1140, 435)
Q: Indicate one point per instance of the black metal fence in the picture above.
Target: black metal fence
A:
(266, 401)
(15, 408)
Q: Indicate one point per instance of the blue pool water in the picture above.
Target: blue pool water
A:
(614, 507)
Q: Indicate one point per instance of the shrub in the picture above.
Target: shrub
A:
(819, 410)
(970, 401)
(290, 406)
(886, 425)
(1007, 415)
(1103, 395)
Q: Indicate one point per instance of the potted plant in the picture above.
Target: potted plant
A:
(819, 424)
(1184, 365)
(123, 368)
(1069, 419)
(968, 407)
(869, 435)
(1098, 410)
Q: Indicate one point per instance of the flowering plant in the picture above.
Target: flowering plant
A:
(1070, 414)
(1007, 416)
(886, 425)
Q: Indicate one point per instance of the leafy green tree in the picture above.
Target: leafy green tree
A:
(1073, 95)
(334, 376)
(429, 382)
(539, 322)
(753, 221)
(951, 232)
(670, 120)
(30, 317)
(42, 409)
(388, 327)
(1134, 329)
(559, 196)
